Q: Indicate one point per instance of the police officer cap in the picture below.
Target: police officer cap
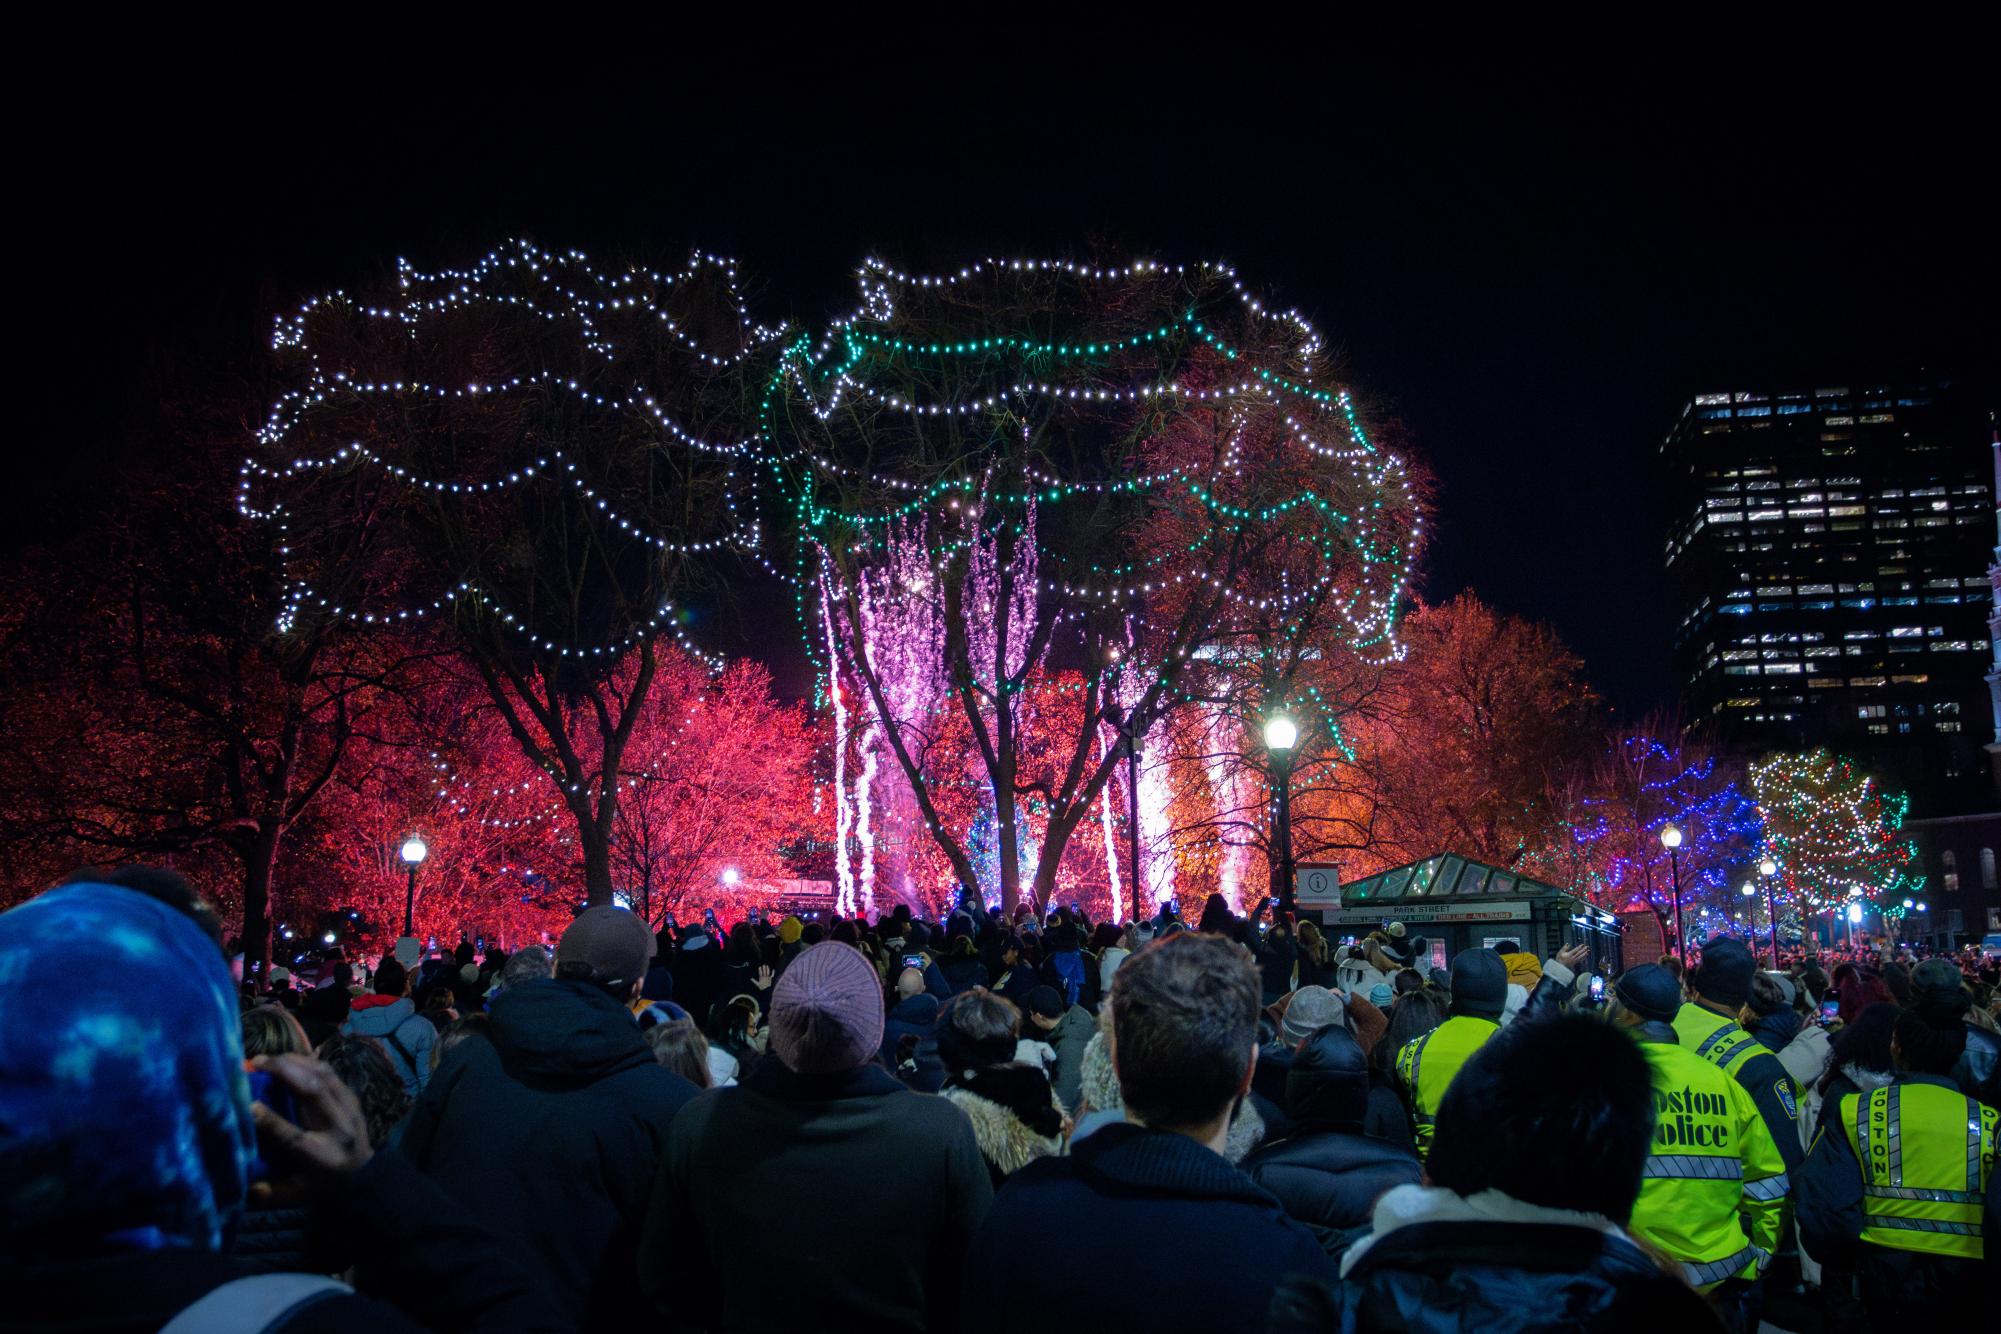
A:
(1649, 991)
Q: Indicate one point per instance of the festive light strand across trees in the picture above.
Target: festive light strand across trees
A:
(979, 443)
(552, 458)
(1834, 829)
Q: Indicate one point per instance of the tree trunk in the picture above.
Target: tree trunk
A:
(595, 840)
(258, 862)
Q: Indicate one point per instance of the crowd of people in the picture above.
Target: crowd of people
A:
(982, 1123)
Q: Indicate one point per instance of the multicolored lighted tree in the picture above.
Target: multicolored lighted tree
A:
(1031, 466)
(1834, 830)
(1648, 777)
(549, 458)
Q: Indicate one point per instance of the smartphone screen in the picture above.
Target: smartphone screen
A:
(1830, 1011)
(1597, 988)
(913, 961)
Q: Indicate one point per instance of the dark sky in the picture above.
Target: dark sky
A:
(1531, 249)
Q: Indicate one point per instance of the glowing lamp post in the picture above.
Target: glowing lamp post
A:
(1280, 737)
(1769, 869)
(732, 877)
(413, 852)
(1671, 840)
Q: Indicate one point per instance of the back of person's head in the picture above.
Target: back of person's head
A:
(909, 982)
(606, 946)
(1926, 1041)
(1406, 981)
(168, 887)
(1769, 994)
(1559, 1113)
(826, 1011)
(1329, 1080)
(733, 1024)
(1865, 1043)
(362, 1065)
(124, 1101)
(528, 964)
(463, 953)
(1672, 964)
(391, 979)
(1898, 979)
(679, 1046)
(270, 1030)
(466, 1028)
(1409, 1017)
(1184, 1029)
(742, 947)
(1479, 984)
(977, 1029)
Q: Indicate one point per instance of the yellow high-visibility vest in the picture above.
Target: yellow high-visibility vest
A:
(1927, 1152)
(1713, 1190)
(1428, 1062)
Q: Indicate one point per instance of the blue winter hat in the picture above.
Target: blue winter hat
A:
(124, 1103)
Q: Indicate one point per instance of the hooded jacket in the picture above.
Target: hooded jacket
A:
(1327, 1172)
(552, 1132)
(404, 1038)
(1439, 1262)
(1073, 1032)
(1127, 1201)
(1014, 1115)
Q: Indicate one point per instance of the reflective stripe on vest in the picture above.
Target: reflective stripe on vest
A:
(1692, 1167)
(1701, 1276)
(1920, 1192)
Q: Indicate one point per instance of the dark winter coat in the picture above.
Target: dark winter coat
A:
(1388, 1117)
(1277, 953)
(963, 972)
(1463, 1277)
(1131, 1201)
(812, 1202)
(1327, 1172)
(427, 1264)
(1073, 1033)
(552, 1132)
(912, 1027)
(1015, 983)
(699, 978)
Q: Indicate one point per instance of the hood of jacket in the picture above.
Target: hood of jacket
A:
(565, 1033)
(1130, 1158)
(1777, 1029)
(1014, 1114)
(379, 1016)
(1328, 1085)
(1098, 1082)
(1076, 1025)
(1408, 1206)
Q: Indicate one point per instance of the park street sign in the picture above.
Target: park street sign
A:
(1319, 885)
(1507, 910)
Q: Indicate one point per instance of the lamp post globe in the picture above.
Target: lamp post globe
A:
(1768, 867)
(413, 852)
(1671, 840)
(1281, 735)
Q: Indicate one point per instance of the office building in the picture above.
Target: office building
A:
(1828, 557)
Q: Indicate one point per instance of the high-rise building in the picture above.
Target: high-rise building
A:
(1828, 554)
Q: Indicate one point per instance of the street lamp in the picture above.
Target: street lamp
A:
(414, 852)
(1129, 739)
(731, 876)
(1769, 869)
(1671, 840)
(1280, 737)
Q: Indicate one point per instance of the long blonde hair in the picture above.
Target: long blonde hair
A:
(1315, 944)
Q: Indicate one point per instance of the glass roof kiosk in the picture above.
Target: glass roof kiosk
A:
(1457, 904)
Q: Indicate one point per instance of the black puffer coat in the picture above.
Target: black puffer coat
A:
(1327, 1172)
(1445, 1278)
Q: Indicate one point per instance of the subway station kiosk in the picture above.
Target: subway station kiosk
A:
(1457, 904)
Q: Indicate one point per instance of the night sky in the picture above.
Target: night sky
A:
(1530, 250)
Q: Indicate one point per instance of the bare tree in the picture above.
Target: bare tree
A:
(556, 462)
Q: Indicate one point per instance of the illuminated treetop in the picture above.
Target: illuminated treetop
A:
(1832, 829)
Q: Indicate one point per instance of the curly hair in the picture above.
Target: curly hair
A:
(362, 1065)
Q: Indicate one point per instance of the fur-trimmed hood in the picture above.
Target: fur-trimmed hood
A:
(1014, 1113)
(1099, 1082)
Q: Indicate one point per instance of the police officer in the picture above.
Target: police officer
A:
(1713, 1191)
(1708, 1026)
(1427, 1063)
(1899, 1188)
